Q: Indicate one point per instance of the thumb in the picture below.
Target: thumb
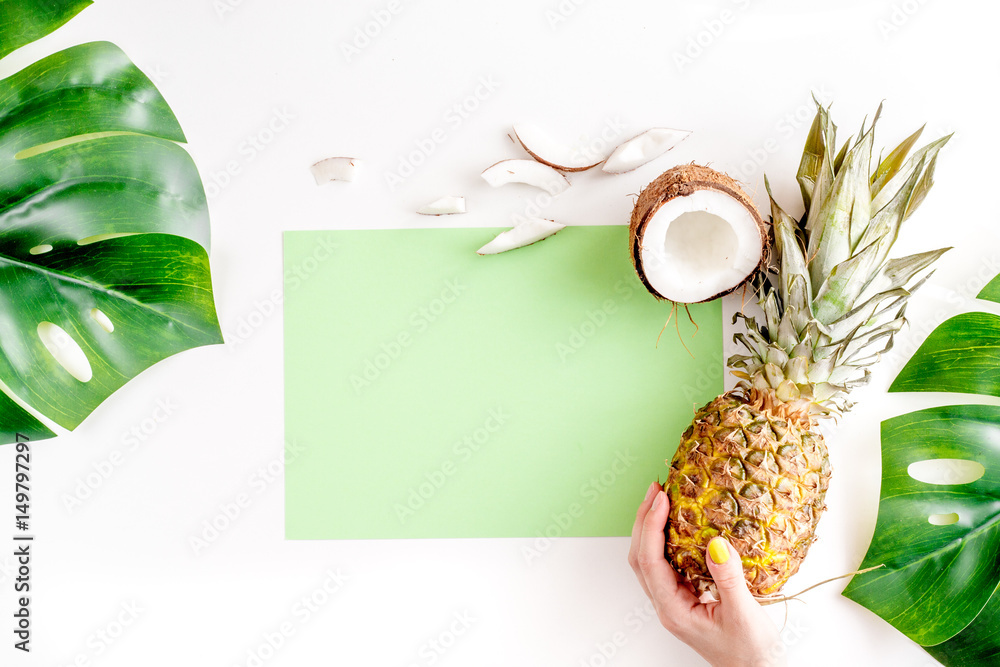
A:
(727, 570)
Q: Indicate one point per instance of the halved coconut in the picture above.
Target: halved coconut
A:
(695, 235)
(539, 145)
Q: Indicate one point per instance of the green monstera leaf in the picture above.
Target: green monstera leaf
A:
(104, 228)
(992, 291)
(940, 542)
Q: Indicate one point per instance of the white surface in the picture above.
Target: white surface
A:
(263, 91)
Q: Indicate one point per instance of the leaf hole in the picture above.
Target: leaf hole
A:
(40, 249)
(102, 319)
(946, 471)
(942, 519)
(65, 350)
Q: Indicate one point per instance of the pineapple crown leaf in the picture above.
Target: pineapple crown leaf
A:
(921, 158)
(843, 214)
(835, 301)
(792, 261)
(820, 135)
(884, 227)
(892, 162)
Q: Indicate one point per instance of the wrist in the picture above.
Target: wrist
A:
(771, 657)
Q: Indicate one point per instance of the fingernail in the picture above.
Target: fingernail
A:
(718, 550)
(652, 489)
(658, 500)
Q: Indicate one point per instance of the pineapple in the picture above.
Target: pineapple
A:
(753, 466)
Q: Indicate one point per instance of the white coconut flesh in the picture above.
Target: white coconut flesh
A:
(531, 230)
(335, 169)
(547, 150)
(449, 205)
(696, 247)
(643, 149)
(526, 171)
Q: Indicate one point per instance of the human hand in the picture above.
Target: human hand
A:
(733, 632)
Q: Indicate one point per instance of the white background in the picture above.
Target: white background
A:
(232, 72)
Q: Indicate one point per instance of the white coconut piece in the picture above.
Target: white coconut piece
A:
(547, 150)
(449, 205)
(699, 246)
(335, 169)
(529, 172)
(642, 149)
(531, 230)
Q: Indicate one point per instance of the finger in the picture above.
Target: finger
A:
(633, 550)
(660, 578)
(727, 570)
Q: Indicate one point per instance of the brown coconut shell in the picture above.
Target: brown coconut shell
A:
(681, 181)
(560, 167)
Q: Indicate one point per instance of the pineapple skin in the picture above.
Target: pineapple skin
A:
(754, 472)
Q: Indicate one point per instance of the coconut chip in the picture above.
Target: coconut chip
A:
(546, 150)
(335, 169)
(526, 171)
(525, 233)
(642, 149)
(444, 206)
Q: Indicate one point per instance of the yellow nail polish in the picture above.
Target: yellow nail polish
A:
(718, 551)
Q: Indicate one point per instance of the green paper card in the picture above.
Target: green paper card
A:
(431, 392)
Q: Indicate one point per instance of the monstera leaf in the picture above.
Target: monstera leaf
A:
(941, 542)
(103, 228)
